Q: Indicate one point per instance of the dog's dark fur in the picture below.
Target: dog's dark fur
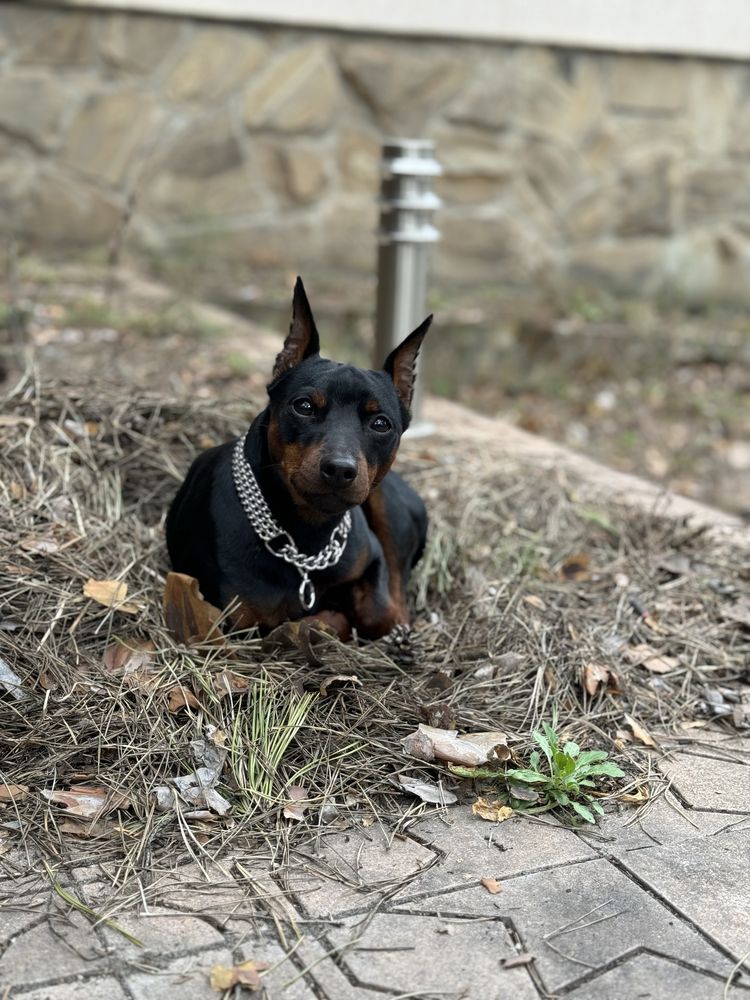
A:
(323, 445)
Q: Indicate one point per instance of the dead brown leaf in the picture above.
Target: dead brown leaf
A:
(643, 655)
(87, 801)
(124, 657)
(298, 802)
(337, 681)
(227, 682)
(596, 675)
(639, 732)
(491, 885)
(636, 798)
(43, 544)
(181, 697)
(535, 602)
(676, 564)
(439, 714)
(470, 750)
(426, 791)
(189, 617)
(493, 812)
(576, 568)
(13, 793)
(247, 974)
(103, 826)
(111, 594)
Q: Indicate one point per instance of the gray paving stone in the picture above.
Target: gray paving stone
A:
(184, 978)
(92, 988)
(329, 979)
(71, 948)
(282, 980)
(472, 848)
(425, 956)
(649, 976)
(161, 931)
(709, 741)
(710, 883)
(709, 783)
(543, 903)
(354, 870)
(660, 823)
(210, 892)
(13, 921)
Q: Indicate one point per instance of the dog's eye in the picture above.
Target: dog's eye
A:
(303, 406)
(380, 424)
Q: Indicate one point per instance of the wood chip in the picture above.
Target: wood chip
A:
(491, 885)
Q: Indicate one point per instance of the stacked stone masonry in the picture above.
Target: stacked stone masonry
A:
(249, 150)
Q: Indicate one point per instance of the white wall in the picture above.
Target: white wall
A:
(719, 28)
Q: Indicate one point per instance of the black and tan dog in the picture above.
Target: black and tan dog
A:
(309, 486)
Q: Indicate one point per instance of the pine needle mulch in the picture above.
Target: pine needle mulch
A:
(528, 601)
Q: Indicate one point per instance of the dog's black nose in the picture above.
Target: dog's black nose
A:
(338, 471)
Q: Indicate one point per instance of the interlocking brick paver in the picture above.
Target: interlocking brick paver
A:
(330, 980)
(161, 931)
(14, 921)
(96, 988)
(210, 893)
(355, 870)
(283, 979)
(422, 955)
(472, 848)
(709, 783)
(621, 917)
(184, 978)
(660, 823)
(709, 882)
(68, 944)
(652, 977)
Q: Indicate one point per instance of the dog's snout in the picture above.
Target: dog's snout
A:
(338, 471)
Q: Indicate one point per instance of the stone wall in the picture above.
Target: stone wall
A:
(249, 152)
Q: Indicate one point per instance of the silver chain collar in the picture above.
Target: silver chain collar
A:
(269, 530)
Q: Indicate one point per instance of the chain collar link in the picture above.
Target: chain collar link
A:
(269, 530)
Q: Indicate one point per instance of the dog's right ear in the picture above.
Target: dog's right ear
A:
(401, 363)
(302, 340)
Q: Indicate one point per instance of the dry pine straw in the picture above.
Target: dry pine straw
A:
(85, 478)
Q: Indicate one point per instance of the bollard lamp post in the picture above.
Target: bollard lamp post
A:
(406, 235)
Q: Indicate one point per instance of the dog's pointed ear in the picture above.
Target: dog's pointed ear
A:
(401, 363)
(302, 340)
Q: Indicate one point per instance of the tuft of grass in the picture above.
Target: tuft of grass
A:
(261, 735)
(88, 314)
